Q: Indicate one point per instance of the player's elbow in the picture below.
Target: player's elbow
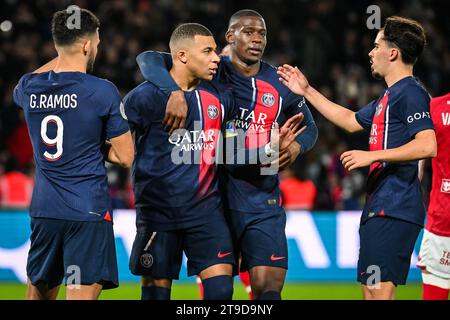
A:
(428, 148)
(352, 127)
(127, 159)
(350, 124)
(432, 149)
(351, 130)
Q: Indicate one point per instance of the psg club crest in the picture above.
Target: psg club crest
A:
(213, 112)
(379, 109)
(268, 99)
(146, 260)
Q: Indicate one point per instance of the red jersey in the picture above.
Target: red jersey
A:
(438, 221)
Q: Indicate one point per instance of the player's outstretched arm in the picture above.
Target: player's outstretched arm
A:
(155, 67)
(121, 151)
(47, 67)
(296, 81)
(423, 146)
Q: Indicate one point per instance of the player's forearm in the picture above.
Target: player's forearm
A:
(307, 139)
(47, 67)
(125, 161)
(416, 149)
(120, 150)
(339, 115)
(155, 67)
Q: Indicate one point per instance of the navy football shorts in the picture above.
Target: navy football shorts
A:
(386, 246)
(61, 248)
(158, 254)
(260, 238)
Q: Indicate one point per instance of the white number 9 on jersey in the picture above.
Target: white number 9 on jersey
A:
(56, 141)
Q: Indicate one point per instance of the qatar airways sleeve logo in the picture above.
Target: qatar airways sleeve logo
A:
(418, 116)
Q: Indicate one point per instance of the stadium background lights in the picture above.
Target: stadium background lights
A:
(6, 26)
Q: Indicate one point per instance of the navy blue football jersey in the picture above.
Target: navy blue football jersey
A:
(260, 101)
(393, 189)
(175, 177)
(69, 115)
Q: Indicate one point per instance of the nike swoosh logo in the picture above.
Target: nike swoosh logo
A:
(273, 258)
(223, 255)
(97, 214)
(362, 273)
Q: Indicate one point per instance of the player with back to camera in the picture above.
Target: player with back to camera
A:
(69, 114)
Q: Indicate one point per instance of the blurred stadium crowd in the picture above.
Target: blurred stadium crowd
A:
(327, 39)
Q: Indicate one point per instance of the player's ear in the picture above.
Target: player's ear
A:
(229, 36)
(394, 54)
(87, 47)
(182, 56)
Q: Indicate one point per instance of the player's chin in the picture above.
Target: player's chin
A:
(252, 59)
(376, 75)
(208, 77)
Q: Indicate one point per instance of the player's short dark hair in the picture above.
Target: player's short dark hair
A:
(64, 34)
(243, 13)
(187, 31)
(407, 35)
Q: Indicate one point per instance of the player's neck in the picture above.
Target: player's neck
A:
(70, 63)
(184, 78)
(397, 74)
(243, 68)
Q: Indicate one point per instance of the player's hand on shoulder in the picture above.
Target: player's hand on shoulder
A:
(293, 78)
(354, 159)
(176, 111)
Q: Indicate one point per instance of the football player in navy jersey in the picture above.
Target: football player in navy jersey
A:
(401, 133)
(69, 115)
(252, 197)
(178, 203)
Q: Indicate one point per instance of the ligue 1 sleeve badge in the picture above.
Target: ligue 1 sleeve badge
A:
(213, 112)
(268, 99)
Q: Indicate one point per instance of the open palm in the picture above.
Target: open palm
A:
(293, 78)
